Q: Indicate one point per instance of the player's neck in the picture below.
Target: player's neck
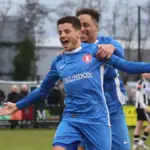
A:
(76, 49)
(92, 40)
(78, 44)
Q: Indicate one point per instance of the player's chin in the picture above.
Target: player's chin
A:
(67, 48)
(84, 39)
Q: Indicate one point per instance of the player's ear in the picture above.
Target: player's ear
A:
(79, 34)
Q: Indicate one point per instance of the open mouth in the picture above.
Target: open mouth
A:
(65, 42)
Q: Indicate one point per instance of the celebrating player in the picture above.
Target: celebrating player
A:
(86, 114)
(113, 86)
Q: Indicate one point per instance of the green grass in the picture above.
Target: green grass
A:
(27, 139)
(30, 139)
(131, 137)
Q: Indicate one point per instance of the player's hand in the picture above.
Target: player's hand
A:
(147, 109)
(105, 51)
(8, 109)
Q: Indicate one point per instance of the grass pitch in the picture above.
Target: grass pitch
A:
(31, 139)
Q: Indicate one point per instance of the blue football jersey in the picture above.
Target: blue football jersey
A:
(82, 75)
(113, 85)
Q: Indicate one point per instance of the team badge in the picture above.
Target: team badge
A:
(87, 58)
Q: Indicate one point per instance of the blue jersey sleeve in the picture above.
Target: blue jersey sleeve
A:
(40, 93)
(119, 51)
(94, 49)
(128, 66)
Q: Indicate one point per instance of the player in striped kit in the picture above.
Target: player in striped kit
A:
(143, 112)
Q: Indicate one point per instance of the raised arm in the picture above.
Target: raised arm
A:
(128, 66)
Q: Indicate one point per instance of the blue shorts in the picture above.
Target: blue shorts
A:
(96, 137)
(120, 135)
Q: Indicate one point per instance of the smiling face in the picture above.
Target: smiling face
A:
(69, 36)
(89, 28)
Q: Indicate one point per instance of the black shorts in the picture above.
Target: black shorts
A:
(142, 115)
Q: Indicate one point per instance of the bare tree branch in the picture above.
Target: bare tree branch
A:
(33, 16)
(4, 9)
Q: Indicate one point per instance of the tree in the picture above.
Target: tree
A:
(31, 28)
(69, 7)
(145, 21)
(32, 19)
(23, 61)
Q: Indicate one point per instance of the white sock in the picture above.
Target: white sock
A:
(141, 142)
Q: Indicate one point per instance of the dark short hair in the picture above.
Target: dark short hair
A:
(89, 11)
(70, 19)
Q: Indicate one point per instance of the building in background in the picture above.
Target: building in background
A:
(10, 36)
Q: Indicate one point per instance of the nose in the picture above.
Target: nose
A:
(82, 30)
(62, 35)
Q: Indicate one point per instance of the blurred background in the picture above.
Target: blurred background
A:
(28, 44)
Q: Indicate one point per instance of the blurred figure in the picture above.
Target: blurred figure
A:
(26, 112)
(56, 97)
(41, 112)
(14, 97)
(143, 112)
(2, 97)
(24, 91)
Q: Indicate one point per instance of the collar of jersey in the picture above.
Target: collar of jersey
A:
(96, 42)
(74, 51)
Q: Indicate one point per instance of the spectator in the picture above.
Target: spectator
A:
(24, 91)
(2, 97)
(13, 97)
(40, 106)
(56, 97)
(27, 113)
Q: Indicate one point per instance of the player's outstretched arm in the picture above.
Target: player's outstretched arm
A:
(41, 92)
(128, 66)
(34, 96)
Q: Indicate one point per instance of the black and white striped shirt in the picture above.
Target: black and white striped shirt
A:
(142, 94)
